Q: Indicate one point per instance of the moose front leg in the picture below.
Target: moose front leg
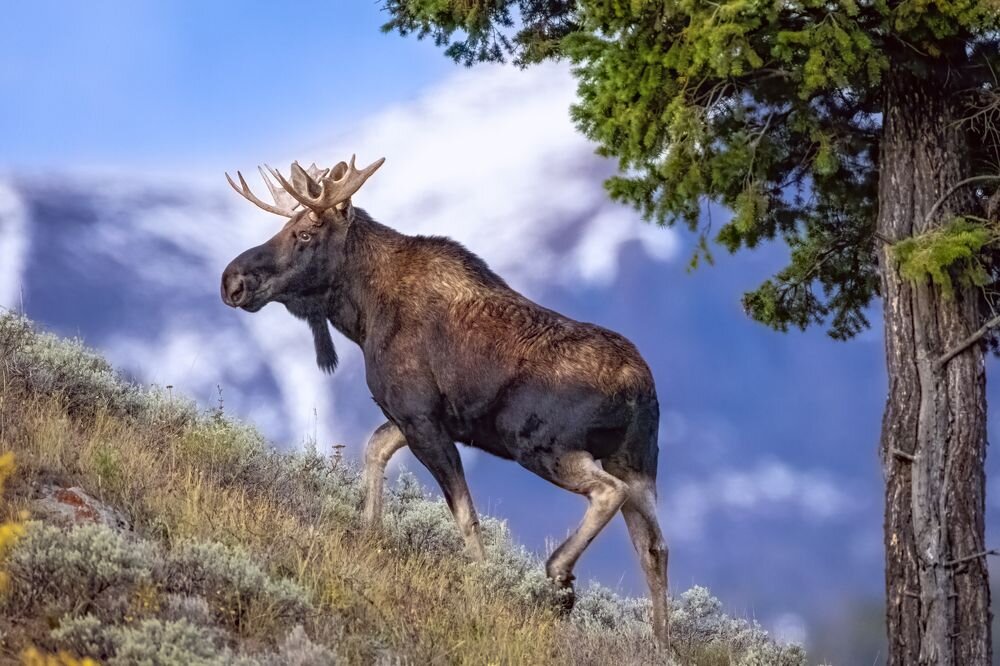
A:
(439, 455)
(384, 442)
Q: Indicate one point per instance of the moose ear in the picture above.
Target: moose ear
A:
(346, 210)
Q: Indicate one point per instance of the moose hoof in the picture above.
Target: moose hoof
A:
(567, 595)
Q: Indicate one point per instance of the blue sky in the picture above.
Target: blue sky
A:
(157, 85)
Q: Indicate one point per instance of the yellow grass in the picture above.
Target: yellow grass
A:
(428, 609)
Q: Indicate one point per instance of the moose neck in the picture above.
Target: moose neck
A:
(355, 292)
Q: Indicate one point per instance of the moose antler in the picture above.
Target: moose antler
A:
(285, 205)
(278, 193)
(335, 185)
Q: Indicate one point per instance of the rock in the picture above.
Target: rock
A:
(74, 506)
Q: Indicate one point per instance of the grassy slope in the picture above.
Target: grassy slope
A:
(239, 553)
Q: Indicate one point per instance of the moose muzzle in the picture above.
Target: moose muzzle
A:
(241, 281)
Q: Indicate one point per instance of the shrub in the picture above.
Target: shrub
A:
(83, 634)
(159, 643)
(423, 526)
(225, 448)
(90, 568)
(298, 650)
(46, 365)
(698, 625)
(193, 608)
(510, 569)
(599, 608)
(235, 588)
(151, 641)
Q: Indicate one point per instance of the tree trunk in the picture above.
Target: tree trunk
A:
(934, 429)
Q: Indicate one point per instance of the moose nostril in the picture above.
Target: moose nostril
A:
(234, 289)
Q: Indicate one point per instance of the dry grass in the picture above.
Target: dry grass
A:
(186, 478)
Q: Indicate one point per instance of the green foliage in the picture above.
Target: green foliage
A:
(946, 254)
(485, 26)
(772, 109)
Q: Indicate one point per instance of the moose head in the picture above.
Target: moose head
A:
(298, 266)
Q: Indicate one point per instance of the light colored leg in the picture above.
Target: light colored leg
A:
(577, 471)
(639, 512)
(384, 442)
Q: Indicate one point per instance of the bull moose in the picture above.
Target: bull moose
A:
(453, 354)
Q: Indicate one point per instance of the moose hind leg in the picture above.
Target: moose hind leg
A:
(440, 456)
(578, 472)
(639, 512)
(384, 442)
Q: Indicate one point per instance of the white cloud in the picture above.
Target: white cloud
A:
(765, 487)
(14, 241)
(790, 628)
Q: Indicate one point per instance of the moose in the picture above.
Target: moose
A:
(454, 355)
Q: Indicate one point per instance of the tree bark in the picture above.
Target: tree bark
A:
(933, 444)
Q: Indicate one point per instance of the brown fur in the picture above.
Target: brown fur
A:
(453, 354)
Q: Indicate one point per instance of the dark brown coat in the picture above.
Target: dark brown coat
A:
(453, 354)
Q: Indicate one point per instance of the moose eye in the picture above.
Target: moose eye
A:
(305, 236)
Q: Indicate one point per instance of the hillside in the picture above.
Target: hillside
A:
(191, 541)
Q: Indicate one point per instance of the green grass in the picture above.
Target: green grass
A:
(241, 554)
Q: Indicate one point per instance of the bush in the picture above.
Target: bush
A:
(698, 625)
(299, 650)
(83, 634)
(90, 568)
(236, 589)
(158, 643)
(44, 364)
(423, 526)
(510, 569)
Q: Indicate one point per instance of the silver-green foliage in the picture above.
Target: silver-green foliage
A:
(230, 580)
(180, 642)
(89, 567)
(44, 364)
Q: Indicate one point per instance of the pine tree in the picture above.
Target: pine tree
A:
(865, 134)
